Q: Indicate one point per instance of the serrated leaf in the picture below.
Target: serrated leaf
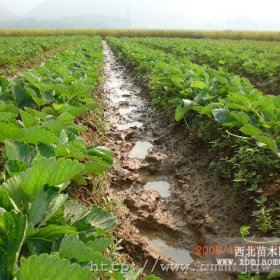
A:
(12, 187)
(38, 208)
(5, 201)
(13, 227)
(102, 152)
(101, 219)
(51, 267)
(66, 118)
(28, 120)
(15, 167)
(52, 232)
(9, 132)
(96, 168)
(7, 116)
(19, 94)
(34, 135)
(100, 244)
(74, 211)
(72, 248)
(42, 116)
(53, 207)
(16, 150)
(49, 172)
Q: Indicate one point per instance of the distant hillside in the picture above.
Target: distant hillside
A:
(74, 22)
(135, 10)
(7, 15)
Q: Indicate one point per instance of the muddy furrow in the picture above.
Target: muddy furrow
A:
(171, 200)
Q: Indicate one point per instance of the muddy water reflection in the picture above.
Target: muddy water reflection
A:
(141, 149)
(178, 255)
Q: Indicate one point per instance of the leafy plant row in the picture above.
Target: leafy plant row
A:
(258, 61)
(229, 99)
(43, 233)
(17, 51)
(198, 34)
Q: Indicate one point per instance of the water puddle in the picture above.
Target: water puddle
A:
(141, 149)
(162, 187)
(163, 248)
(126, 126)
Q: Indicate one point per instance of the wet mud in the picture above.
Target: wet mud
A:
(171, 201)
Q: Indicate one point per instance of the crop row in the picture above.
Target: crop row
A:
(198, 34)
(258, 61)
(16, 52)
(43, 233)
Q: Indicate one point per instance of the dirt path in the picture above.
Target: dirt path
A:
(172, 201)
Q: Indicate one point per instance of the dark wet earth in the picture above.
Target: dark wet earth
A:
(170, 199)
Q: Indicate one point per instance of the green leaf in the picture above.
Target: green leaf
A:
(15, 167)
(13, 227)
(242, 117)
(101, 219)
(42, 116)
(34, 135)
(51, 267)
(38, 208)
(100, 244)
(19, 94)
(96, 167)
(72, 248)
(16, 150)
(220, 115)
(181, 111)
(12, 187)
(28, 120)
(53, 207)
(9, 132)
(4, 83)
(74, 211)
(266, 141)
(52, 232)
(5, 201)
(7, 116)
(66, 118)
(49, 172)
(102, 152)
(250, 130)
(276, 101)
(198, 84)
(46, 150)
